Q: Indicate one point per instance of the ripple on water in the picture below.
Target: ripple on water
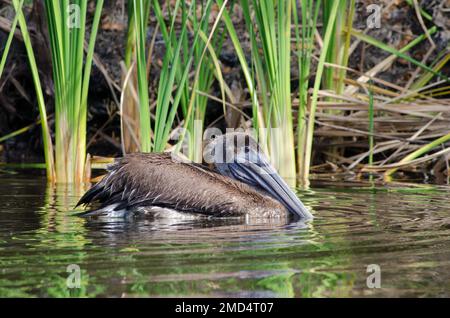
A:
(405, 231)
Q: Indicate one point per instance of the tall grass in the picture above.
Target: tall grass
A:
(184, 49)
(269, 26)
(176, 66)
(206, 78)
(71, 74)
(129, 111)
(315, 94)
(199, 76)
(180, 57)
(10, 38)
(46, 137)
(305, 47)
(339, 42)
(277, 31)
(6, 49)
(140, 18)
(258, 121)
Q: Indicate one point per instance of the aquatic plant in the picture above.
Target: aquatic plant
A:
(305, 47)
(292, 109)
(71, 74)
(269, 27)
(175, 88)
(46, 137)
(315, 93)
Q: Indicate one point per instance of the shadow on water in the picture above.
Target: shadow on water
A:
(405, 231)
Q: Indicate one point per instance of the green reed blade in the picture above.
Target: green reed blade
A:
(48, 147)
(370, 40)
(9, 40)
(315, 94)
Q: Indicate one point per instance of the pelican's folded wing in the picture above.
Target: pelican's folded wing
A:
(155, 179)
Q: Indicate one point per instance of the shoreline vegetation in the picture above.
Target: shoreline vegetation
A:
(355, 89)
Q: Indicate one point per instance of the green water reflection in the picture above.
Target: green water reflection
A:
(403, 230)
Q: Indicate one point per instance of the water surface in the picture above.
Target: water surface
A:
(403, 230)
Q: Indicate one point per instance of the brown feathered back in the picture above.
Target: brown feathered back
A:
(155, 179)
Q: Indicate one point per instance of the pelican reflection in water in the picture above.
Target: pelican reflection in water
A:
(242, 183)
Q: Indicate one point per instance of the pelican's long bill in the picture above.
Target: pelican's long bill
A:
(252, 167)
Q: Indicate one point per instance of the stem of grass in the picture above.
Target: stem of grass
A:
(46, 137)
(315, 94)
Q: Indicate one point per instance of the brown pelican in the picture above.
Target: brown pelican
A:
(241, 183)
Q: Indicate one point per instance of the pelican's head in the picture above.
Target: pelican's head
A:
(239, 156)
